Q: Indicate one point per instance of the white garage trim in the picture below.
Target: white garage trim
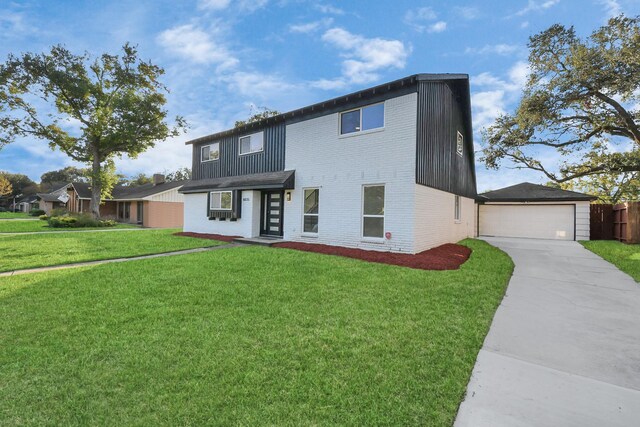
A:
(528, 220)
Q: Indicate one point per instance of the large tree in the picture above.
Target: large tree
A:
(92, 109)
(5, 186)
(67, 174)
(582, 100)
(609, 188)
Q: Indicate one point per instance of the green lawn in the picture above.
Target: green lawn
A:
(38, 250)
(625, 257)
(245, 336)
(37, 226)
(11, 215)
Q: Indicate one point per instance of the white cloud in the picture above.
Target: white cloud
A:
(437, 27)
(612, 7)
(525, 24)
(310, 27)
(258, 85)
(421, 20)
(467, 12)
(328, 9)
(196, 45)
(366, 57)
(213, 4)
(498, 49)
(328, 84)
(496, 93)
(536, 6)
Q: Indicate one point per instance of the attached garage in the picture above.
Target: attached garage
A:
(534, 211)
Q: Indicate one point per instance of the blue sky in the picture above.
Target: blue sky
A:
(223, 56)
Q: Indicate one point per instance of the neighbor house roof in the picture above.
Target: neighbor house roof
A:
(259, 181)
(119, 192)
(528, 192)
(325, 106)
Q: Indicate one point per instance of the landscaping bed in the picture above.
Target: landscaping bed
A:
(218, 237)
(445, 257)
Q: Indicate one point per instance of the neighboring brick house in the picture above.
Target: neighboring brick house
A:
(157, 205)
(389, 168)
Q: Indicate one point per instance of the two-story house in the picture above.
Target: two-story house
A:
(389, 168)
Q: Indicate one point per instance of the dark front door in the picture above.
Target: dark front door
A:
(271, 211)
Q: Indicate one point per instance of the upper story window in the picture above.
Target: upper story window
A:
(253, 143)
(210, 152)
(361, 119)
(459, 144)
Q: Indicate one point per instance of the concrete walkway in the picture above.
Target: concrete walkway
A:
(564, 346)
(108, 261)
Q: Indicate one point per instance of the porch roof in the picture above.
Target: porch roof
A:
(283, 180)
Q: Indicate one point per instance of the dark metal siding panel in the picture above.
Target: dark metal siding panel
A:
(231, 163)
(441, 114)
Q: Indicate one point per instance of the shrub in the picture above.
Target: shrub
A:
(43, 217)
(86, 220)
(36, 212)
(62, 221)
(108, 223)
(3, 209)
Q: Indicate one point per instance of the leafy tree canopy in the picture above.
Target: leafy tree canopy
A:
(256, 114)
(608, 188)
(20, 184)
(92, 109)
(139, 179)
(68, 174)
(5, 186)
(181, 174)
(582, 100)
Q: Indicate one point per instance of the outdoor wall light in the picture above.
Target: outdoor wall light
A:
(288, 196)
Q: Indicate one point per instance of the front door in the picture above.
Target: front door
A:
(271, 210)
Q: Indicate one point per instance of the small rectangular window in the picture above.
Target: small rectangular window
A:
(311, 210)
(456, 209)
(220, 201)
(210, 152)
(373, 211)
(459, 144)
(253, 143)
(361, 119)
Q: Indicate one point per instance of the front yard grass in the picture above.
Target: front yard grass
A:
(245, 336)
(11, 215)
(12, 226)
(40, 250)
(625, 257)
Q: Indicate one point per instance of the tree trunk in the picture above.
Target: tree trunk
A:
(96, 187)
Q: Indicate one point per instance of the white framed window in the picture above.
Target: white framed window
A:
(456, 208)
(459, 144)
(253, 143)
(362, 119)
(310, 210)
(210, 152)
(220, 201)
(373, 211)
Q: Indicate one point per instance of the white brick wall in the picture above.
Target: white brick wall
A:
(196, 220)
(434, 220)
(340, 166)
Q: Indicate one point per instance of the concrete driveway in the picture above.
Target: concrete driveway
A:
(564, 346)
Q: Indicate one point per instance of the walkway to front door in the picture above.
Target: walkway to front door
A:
(271, 213)
(564, 346)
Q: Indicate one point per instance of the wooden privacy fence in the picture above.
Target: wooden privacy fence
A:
(620, 222)
(601, 218)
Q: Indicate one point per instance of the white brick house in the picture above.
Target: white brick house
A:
(388, 168)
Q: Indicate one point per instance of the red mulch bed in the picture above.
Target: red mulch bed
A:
(208, 236)
(446, 257)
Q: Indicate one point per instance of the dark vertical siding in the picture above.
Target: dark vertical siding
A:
(230, 163)
(442, 112)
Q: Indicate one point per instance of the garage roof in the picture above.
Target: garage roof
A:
(528, 192)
